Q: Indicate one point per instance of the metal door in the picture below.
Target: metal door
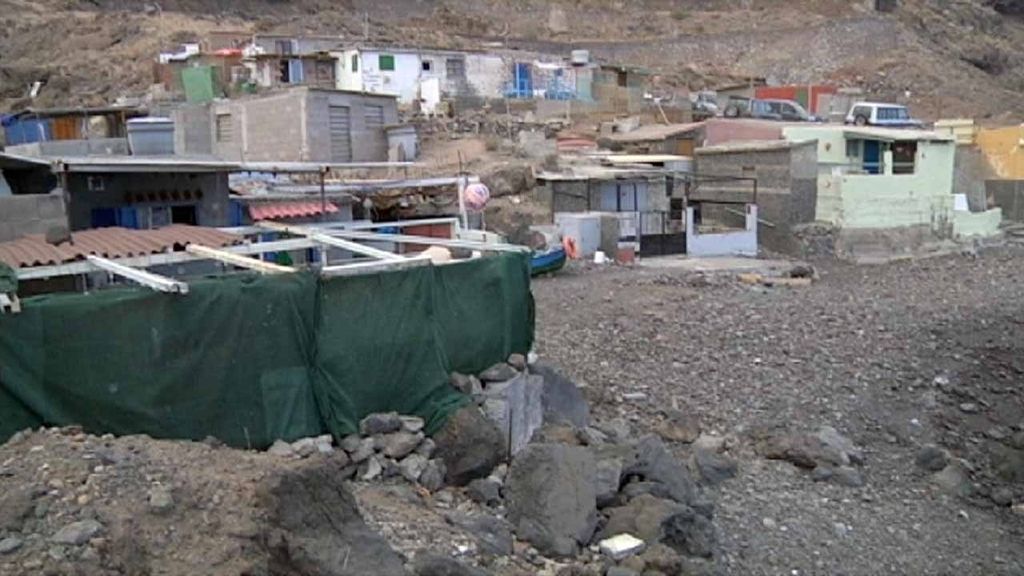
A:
(374, 117)
(373, 138)
(340, 126)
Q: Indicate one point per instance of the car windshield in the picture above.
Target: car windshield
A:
(800, 110)
(893, 113)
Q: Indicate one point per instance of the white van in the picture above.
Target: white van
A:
(877, 114)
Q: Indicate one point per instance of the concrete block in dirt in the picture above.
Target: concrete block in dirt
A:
(470, 446)
(562, 399)
(551, 497)
(516, 408)
(311, 518)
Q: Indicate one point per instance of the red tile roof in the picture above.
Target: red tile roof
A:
(33, 250)
(276, 210)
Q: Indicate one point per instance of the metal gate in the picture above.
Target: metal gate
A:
(340, 126)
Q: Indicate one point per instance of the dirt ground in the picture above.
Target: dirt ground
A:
(895, 357)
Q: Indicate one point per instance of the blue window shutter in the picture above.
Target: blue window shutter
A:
(127, 217)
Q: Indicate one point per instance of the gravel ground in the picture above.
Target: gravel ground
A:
(895, 357)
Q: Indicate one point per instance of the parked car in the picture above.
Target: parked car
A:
(786, 110)
(876, 114)
(705, 104)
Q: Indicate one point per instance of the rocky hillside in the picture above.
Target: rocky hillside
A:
(945, 57)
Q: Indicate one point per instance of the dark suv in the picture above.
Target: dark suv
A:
(786, 110)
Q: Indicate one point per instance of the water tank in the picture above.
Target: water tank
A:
(151, 136)
(580, 57)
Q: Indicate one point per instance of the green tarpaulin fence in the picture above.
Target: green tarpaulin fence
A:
(251, 359)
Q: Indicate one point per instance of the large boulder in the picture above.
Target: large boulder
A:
(650, 460)
(311, 516)
(690, 533)
(551, 497)
(562, 400)
(470, 446)
(515, 408)
(509, 179)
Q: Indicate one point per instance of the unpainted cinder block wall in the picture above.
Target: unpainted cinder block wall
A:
(369, 144)
(1008, 195)
(786, 188)
(21, 215)
(193, 133)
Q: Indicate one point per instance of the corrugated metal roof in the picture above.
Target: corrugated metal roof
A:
(33, 250)
(654, 132)
(276, 210)
(644, 158)
(752, 146)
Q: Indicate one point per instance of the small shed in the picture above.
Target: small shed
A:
(302, 124)
(785, 178)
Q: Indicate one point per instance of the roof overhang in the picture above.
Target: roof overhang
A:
(18, 162)
(894, 135)
(138, 164)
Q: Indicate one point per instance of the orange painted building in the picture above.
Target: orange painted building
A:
(1004, 150)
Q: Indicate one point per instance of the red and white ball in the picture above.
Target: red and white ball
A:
(476, 197)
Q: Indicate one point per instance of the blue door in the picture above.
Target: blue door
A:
(524, 81)
(872, 157)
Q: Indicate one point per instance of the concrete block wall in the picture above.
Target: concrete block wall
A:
(786, 188)
(1007, 195)
(368, 145)
(211, 209)
(193, 130)
(275, 128)
(30, 214)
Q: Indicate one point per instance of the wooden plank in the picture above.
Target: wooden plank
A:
(238, 260)
(322, 238)
(148, 279)
(376, 266)
(448, 243)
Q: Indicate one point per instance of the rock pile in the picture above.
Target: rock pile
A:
(388, 445)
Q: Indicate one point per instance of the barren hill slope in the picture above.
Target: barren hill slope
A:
(953, 57)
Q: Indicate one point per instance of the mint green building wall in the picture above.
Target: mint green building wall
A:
(880, 200)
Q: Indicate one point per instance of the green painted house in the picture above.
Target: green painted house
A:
(888, 188)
